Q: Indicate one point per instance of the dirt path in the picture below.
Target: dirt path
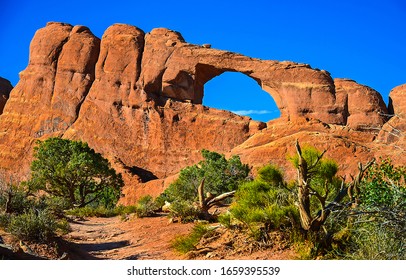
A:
(112, 238)
(150, 238)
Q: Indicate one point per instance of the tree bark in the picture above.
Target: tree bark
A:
(205, 203)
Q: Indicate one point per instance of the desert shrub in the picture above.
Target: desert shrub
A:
(183, 210)
(221, 175)
(376, 228)
(226, 219)
(14, 199)
(31, 218)
(33, 226)
(265, 203)
(372, 240)
(187, 243)
(145, 207)
(54, 205)
(91, 211)
(4, 220)
(384, 186)
(379, 227)
(101, 211)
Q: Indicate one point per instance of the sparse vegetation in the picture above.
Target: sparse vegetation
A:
(265, 204)
(216, 174)
(376, 228)
(145, 207)
(33, 225)
(27, 217)
(185, 244)
(64, 174)
(319, 214)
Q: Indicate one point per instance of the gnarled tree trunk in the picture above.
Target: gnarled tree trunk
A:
(208, 201)
(305, 192)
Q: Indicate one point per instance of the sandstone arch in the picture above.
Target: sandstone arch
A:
(240, 94)
(298, 90)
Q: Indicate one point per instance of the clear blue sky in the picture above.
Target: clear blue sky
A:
(361, 40)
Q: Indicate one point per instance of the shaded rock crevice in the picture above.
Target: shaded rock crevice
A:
(5, 89)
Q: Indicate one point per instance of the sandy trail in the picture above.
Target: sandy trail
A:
(113, 238)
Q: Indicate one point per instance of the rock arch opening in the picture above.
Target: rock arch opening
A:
(240, 94)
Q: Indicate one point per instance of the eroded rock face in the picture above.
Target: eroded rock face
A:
(393, 132)
(46, 100)
(5, 88)
(136, 98)
(397, 101)
(363, 107)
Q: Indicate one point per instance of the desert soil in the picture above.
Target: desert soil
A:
(151, 238)
(135, 238)
(148, 239)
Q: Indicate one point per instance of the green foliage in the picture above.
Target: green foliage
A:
(372, 240)
(376, 228)
(184, 244)
(319, 168)
(226, 219)
(31, 218)
(75, 172)
(221, 175)
(265, 202)
(321, 179)
(271, 175)
(33, 226)
(91, 211)
(383, 186)
(184, 210)
(145, 207)
(379, 229)
(4, 220)
(14, 198)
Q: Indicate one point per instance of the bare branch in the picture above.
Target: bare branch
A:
(219, 198)
(200, 191)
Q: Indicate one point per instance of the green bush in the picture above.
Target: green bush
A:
(145, 207)
(226, 219)
(4, 220)
(33, 226)
(183, 210)
(19, 201)
(221, 175)
(265, 203)
(383, 186)
(91, 211)
(379, 227)
(375, 229)
(187, 243)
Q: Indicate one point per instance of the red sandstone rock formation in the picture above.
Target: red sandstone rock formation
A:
(5, 88)
(363, 106)
(136, 98)
(394, 131)
(46, 100)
